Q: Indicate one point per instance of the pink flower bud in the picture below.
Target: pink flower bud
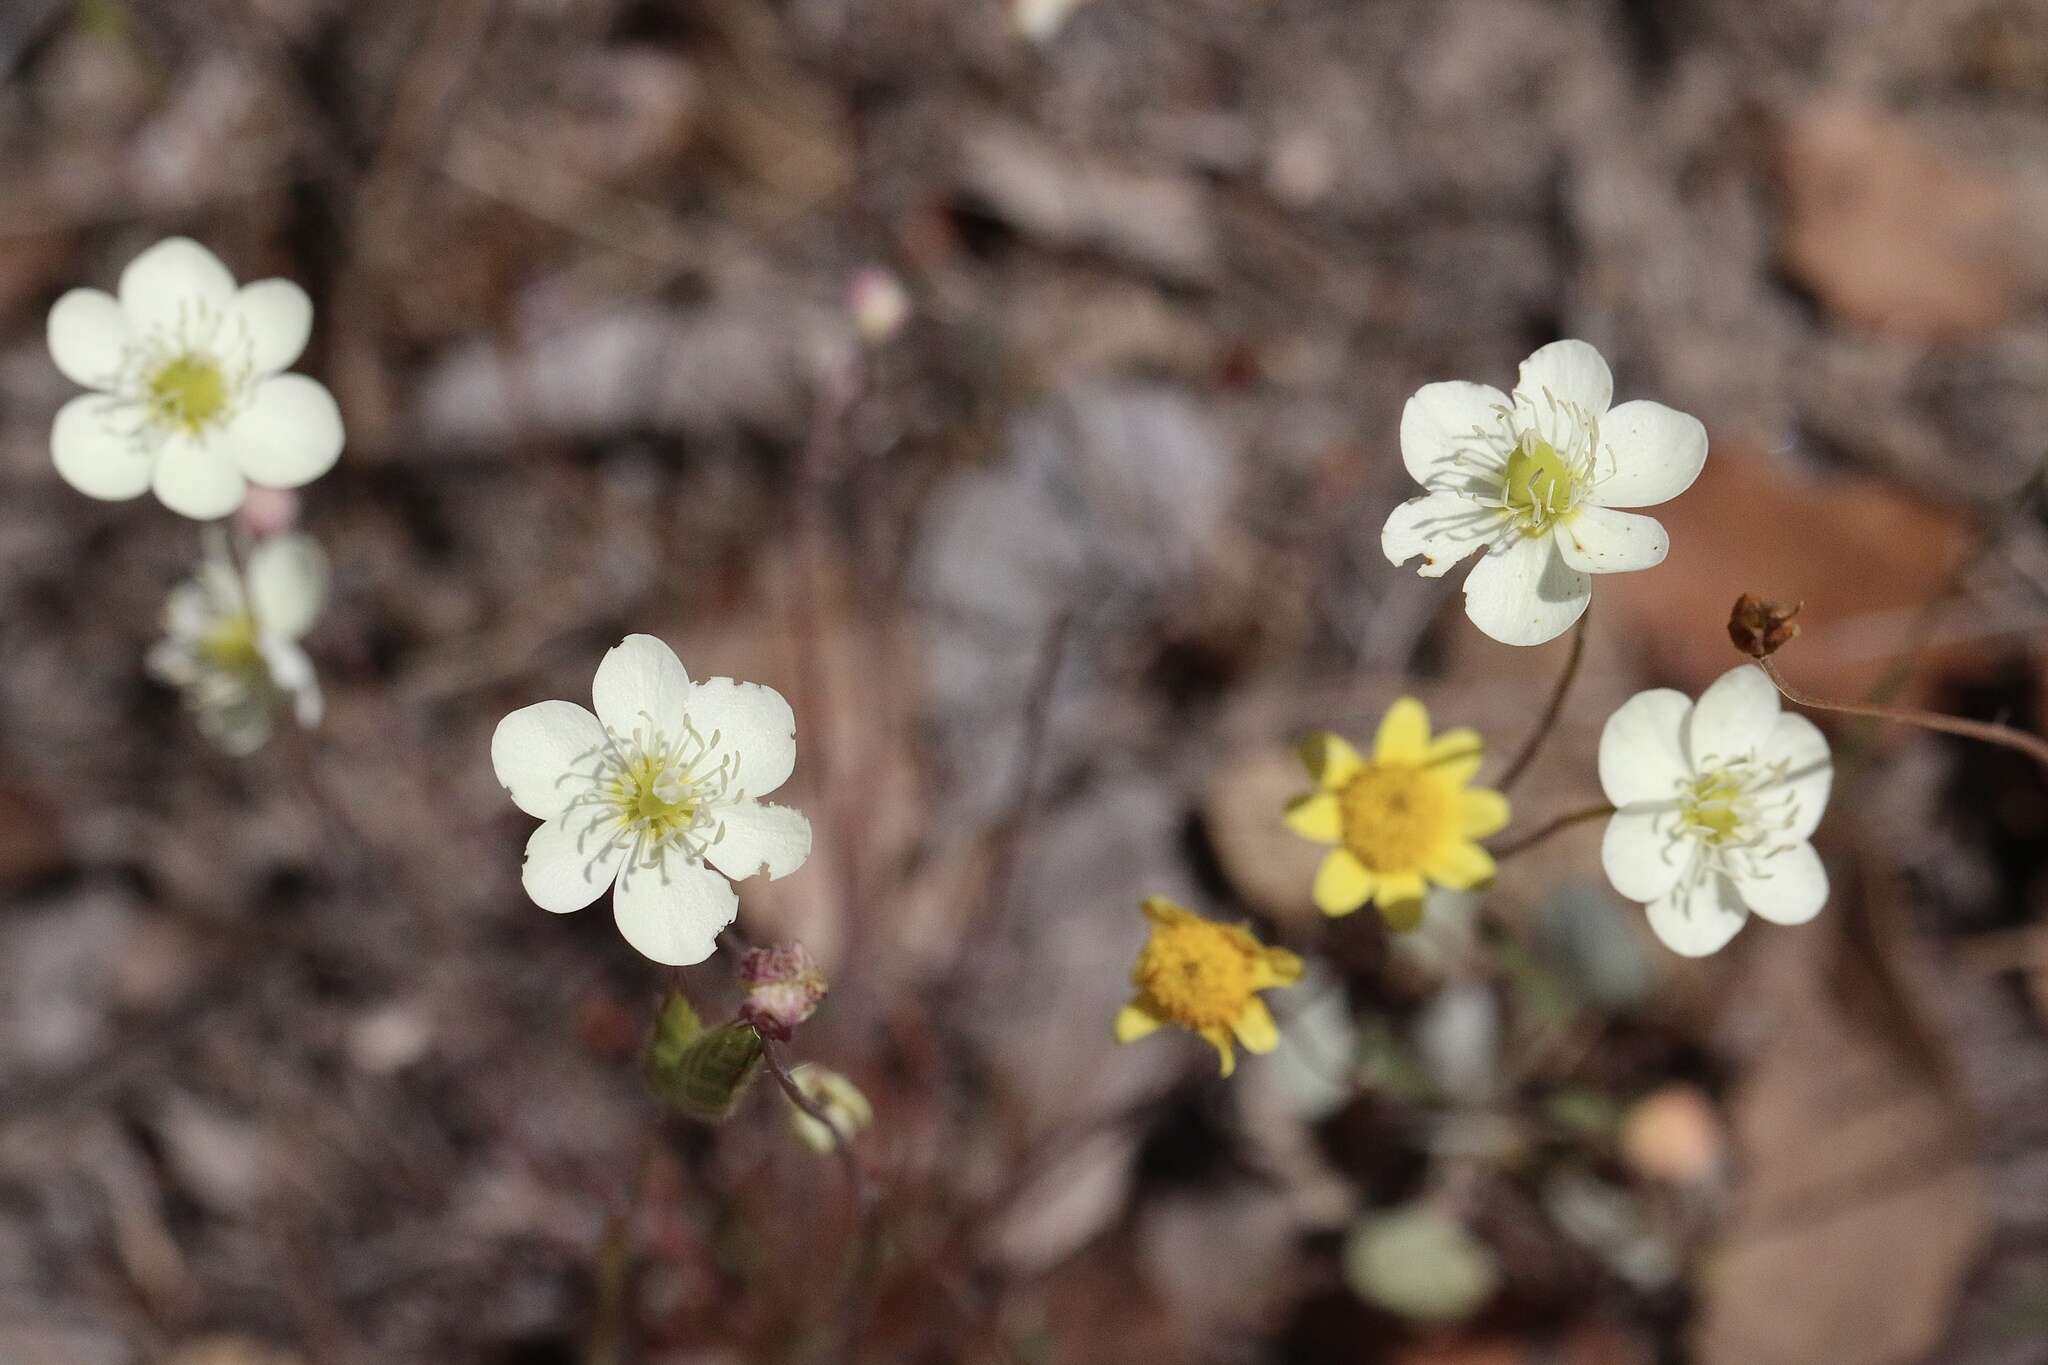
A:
(784, 987)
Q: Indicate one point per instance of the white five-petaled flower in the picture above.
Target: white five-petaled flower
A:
(1715, 805)
(1534, 478)
(190, 394)
(231, 639)
(664, 779)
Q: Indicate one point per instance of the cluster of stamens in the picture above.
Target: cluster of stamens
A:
(1533, 468)
(1731, 819)
(653, 794)
(188, 377)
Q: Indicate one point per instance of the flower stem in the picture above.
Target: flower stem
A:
(1986, 731)
(1557, 826)
(1544, 723)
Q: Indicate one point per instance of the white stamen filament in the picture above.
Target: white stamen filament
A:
(675, 772)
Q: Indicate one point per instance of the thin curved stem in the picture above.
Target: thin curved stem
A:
(1985, 731)
(1548, 719)
(1557, 826)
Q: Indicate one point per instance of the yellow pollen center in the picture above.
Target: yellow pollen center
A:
(1195, 975)
(1539, 482)
(1709, 806)
(231, 644)
(1396, 815)
(189, 392)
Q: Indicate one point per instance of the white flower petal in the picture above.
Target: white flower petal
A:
(1643, 863)
(1597, 540)
(1733, 719)
(1439, 444)
(291, 670)
(1698, 917)
(1650, 454)
(93, 455)
(1441, 527)
(1569, 371)
(1525, 594)
(1798, 743)
(197, 480)
(569, 864)
(88, 332)
(1790, 887)
(536, 747)
(287, 584)
(1642, 748)
(641, 685)
(289, 434)
(674, 913)
(750, 723)
(760, 838)
(275, 319)
(170, 286)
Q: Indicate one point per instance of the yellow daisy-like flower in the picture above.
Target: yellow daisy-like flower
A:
(1399, 822)
(1205, 977)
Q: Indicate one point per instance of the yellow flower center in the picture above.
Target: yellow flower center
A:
(1540, 485)
(231, 644)
(641, 802)
(1396, 815)
(189, 392)
(1709, 806)
(1196, 974)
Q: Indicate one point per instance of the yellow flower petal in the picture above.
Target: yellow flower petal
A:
(1160, 910)
(1392, 888)
(1278, 967)
(1318, 816)
(1403, 735)
(1342, 883)
(1219, 1038)
(1133, 1023)
(1403, 917)
(1481, 811)
(1460, 866)
(1330, 758)
(1255, 1027)
(1454, 755)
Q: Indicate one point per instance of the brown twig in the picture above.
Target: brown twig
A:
(1982, 730)
(1548, 719)
(1557, 826)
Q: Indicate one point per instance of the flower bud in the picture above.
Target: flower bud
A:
(1759, 628)
(838, 1097)
(783, 987)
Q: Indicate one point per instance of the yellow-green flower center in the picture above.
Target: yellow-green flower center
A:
(1540, 485)
(231, 644)
(641, 801)
(1709, 806)
(188, 392)
(1396, 815)
(1196, 974)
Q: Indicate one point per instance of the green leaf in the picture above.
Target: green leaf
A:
(1418, 1263)
(698, 1072)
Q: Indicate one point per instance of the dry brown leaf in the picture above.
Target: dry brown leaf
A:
(1752, 524)
(1859, 1209)
(1888, 230)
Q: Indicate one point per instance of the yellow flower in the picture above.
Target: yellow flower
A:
(1205, 977)
(1399, 822)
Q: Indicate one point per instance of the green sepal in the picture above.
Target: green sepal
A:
(700, 1073)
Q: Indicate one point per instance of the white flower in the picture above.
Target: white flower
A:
(665, 778)
(1534, 478)
(191, 397)
(231, 639)
(1715, 804)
